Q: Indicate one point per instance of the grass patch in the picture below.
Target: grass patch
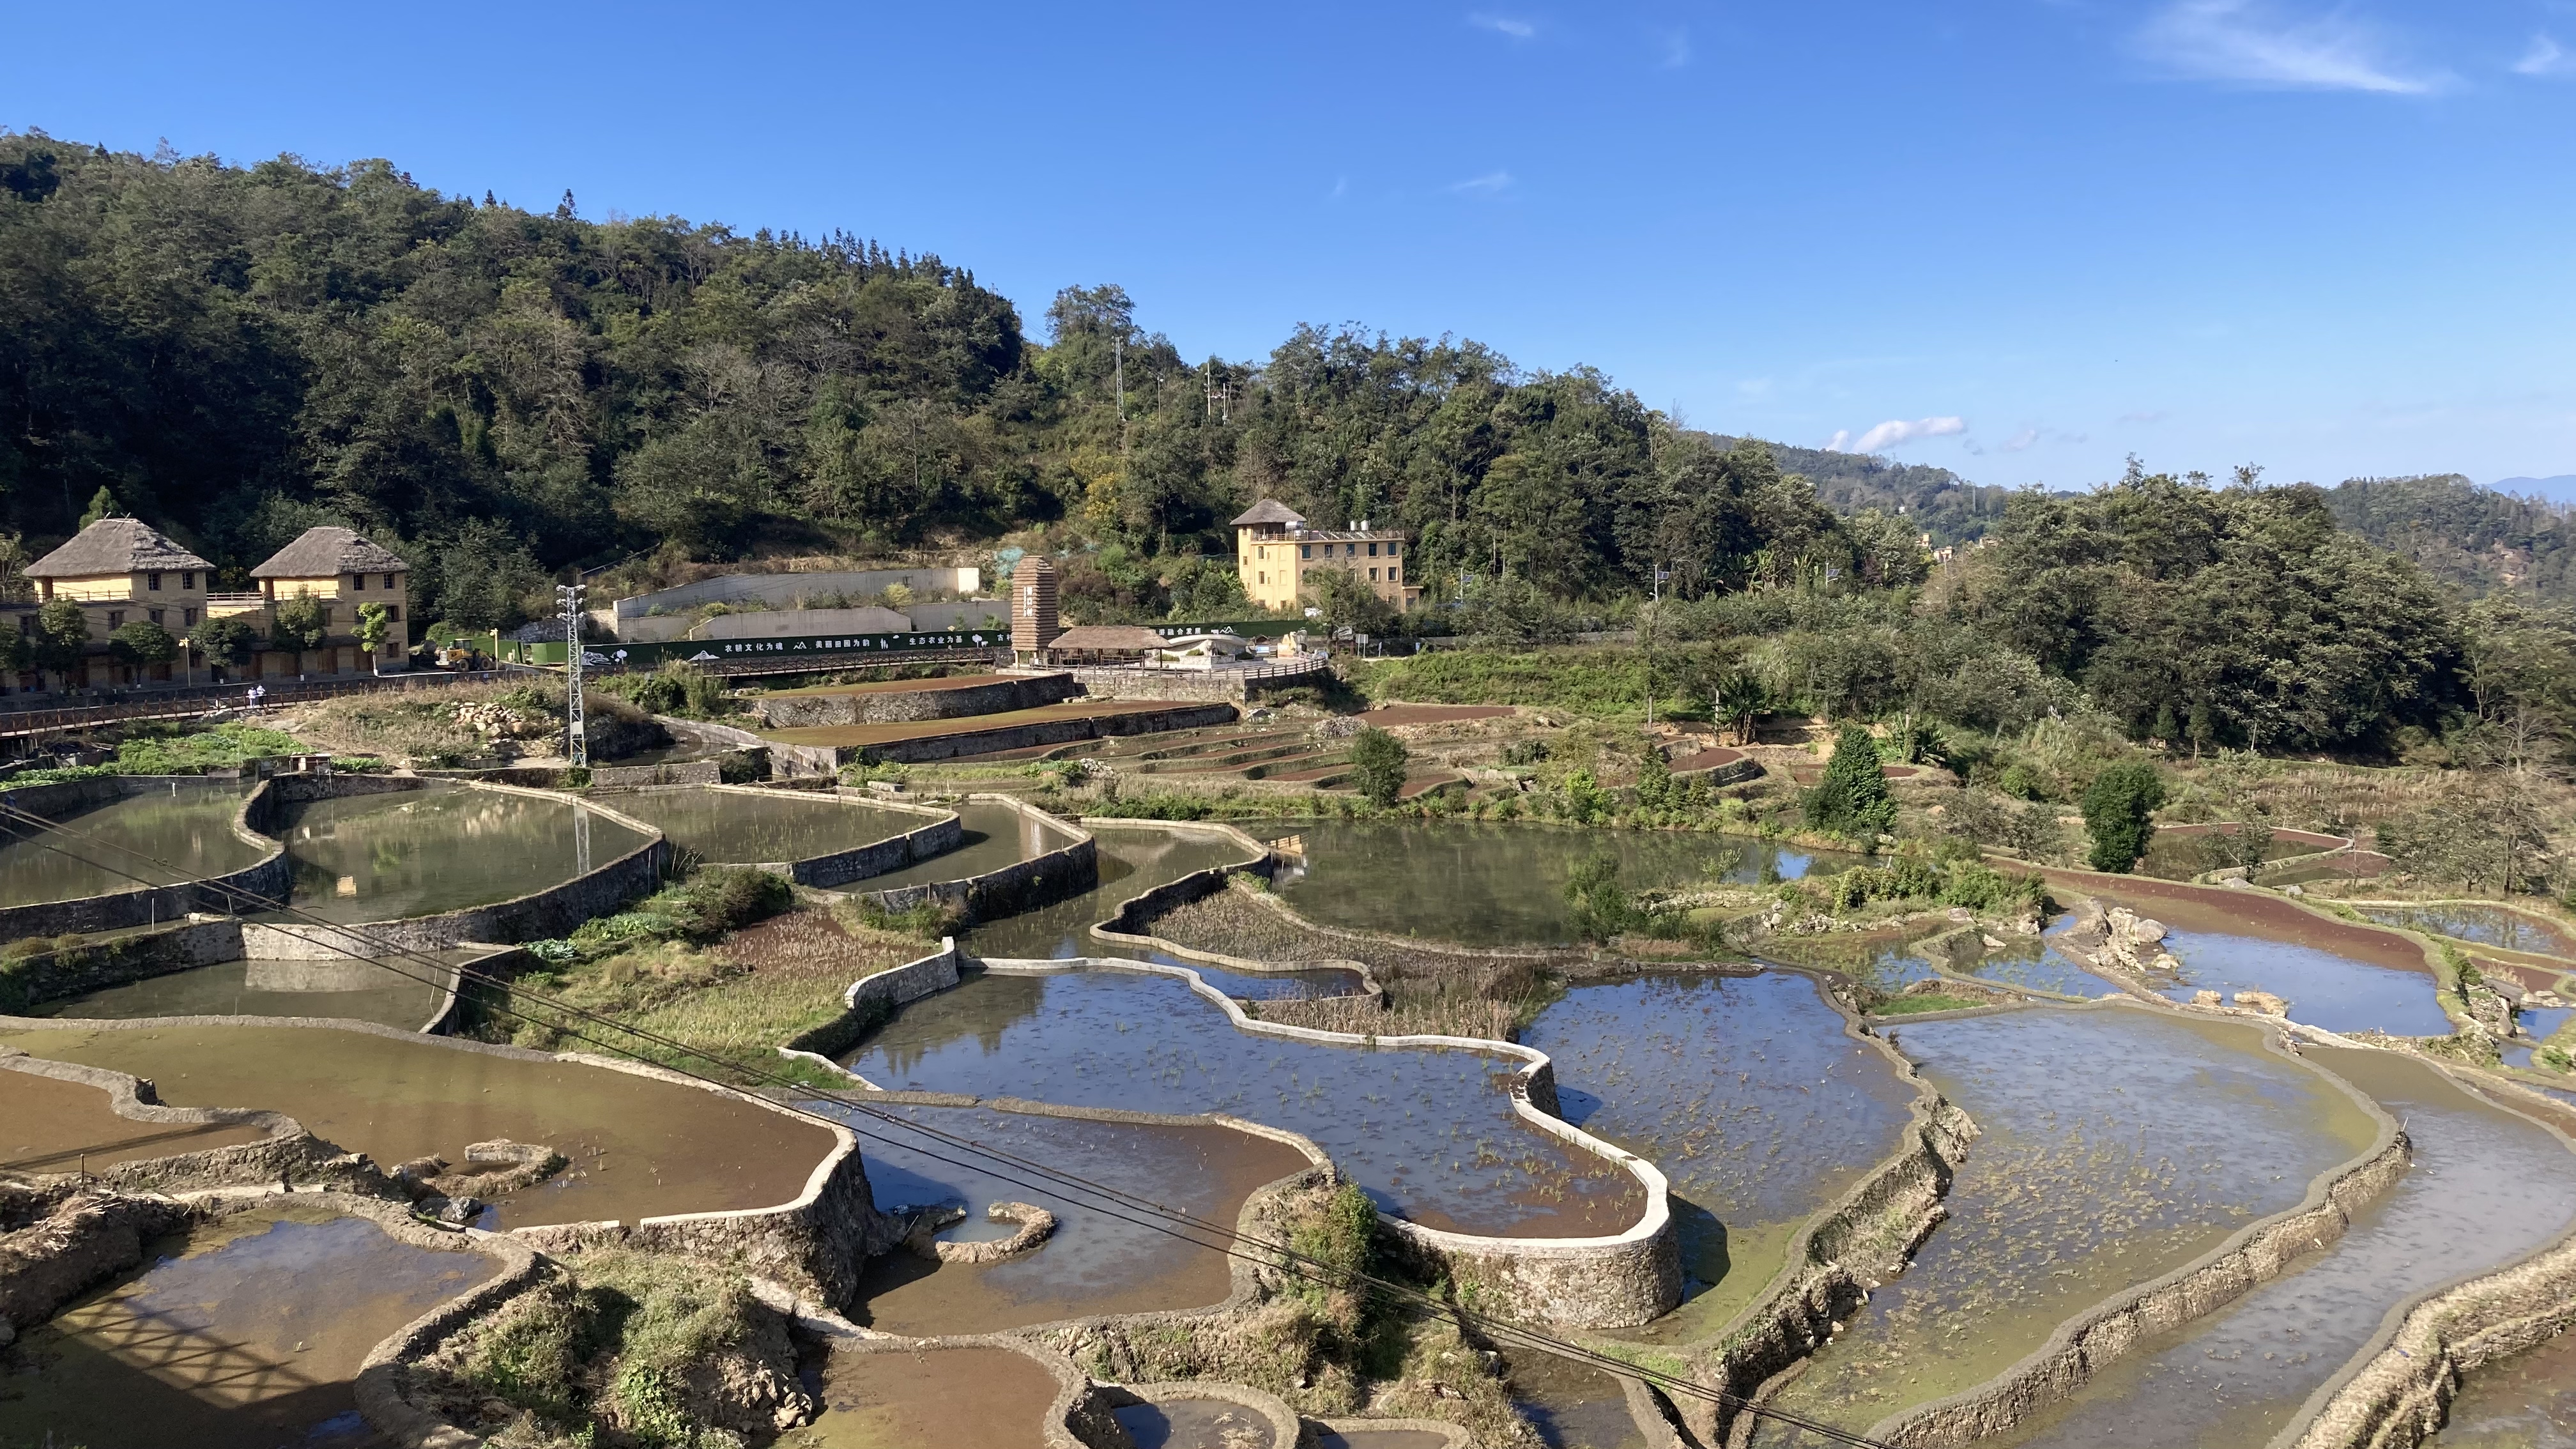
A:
(1597, 683)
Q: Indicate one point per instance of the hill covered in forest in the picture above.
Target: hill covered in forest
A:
(2478, 540)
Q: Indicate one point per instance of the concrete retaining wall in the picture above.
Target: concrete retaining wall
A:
(1020, 886)
(903, 706)
(684, 772)
(822, 759)
(270, 877)
(871, 999)
(94, 966)
(940, 832)
(1202, 684)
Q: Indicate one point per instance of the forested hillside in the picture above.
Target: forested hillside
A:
(2477, 540)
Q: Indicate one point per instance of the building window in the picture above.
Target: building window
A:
(187, 616)
(152, 581)
(155, 615)
(1393, 549)
(393, 613)
(188, 580)
(1261, 578)
(358, 582)
(389, 581)
(1309, 548)
(115, 619)
(1372, 550)
(1395, 576)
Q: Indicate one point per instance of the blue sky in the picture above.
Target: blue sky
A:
(2021, 240)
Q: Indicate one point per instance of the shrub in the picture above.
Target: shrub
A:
(142, 642)
(1852, 799)
(2117, 807)
(1377, 766)
(297, 623)
(226, 641)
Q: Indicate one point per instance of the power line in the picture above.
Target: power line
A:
(1122, 1206)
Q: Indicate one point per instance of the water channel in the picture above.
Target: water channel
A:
(1430, 1133)
(181, 831)
(2506, 930)
(2182, 1133)
(441, 848)
(2487, 1188)
(1484, 884)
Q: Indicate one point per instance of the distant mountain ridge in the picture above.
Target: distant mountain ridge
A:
(2507, 539)
(2557, 487)
(1943, 504)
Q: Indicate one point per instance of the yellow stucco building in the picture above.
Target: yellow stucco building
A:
(1277, 556)
(343, 571)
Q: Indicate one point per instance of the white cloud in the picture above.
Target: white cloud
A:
(1893, 432)
(1511, 25)
(2544, 57)
(2021, 440)
(2250, 44)
(1486, 185)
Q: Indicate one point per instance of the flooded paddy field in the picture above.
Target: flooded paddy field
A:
(2342, 977)
(403, 994)
(2116, 1146)
(244, 1333)
(2181, 852)
(1380, 1439)
(639, 1147)
(2527, 1401)
(1300, 985)
(1572, 1405)
(441, 848)
(1097, 1261)
(748, 829)
(1748, 1095)
(2486, 1189)
(1197, 1424)
(49, 1126)
(1429, 1133)
(2498, 926)
(183, 832)
(2037, 965)
(1132, 861)
(942, 1398)
(1483, 884)
(995, 836)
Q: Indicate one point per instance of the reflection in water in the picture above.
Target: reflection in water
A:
(2336, 992)
(726, 825)
(2182, 1133)
(173, 833)
(1487, 884)
(1133, 860)
(2040, 966)
(402, 994)
(2487, 925)
(948, 1398)
(248, 1336)
(1195, 1424)
(1745, 1091)
(2486, 1189)
(1429, 1133)
(439, 848)
(1571, 1406)
(1096, 1262)
(994, 836)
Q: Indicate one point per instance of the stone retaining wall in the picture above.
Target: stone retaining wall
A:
(940, 833)
(681, 772)
(1020, 886)
(2084, 1346)
(1189, 684)
(871, 999)
(269, 877)
(907, 706)
(95, 965)
(824, 759)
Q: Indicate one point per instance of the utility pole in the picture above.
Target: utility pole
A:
(1118, 351)
(576, 740)
(1646, 639)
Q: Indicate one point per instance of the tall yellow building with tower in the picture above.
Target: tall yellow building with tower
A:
(1277, 556)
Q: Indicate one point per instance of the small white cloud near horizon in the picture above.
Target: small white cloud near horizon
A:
(2251, 44)
(1489, 184)
(1511, 25)
(1892, 433)
(2021, 440)
(2545, 57)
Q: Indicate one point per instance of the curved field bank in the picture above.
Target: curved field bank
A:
(1057, 861)
(64, 1118)
(2222, 911)
(250, 1328)
(812, 838)
(113, 850)
(970, 1392)
(1620, 1279)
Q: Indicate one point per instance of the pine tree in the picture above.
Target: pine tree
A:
(1852, 798)
(102, 504)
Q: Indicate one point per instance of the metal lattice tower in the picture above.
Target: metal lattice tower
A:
(576, 735)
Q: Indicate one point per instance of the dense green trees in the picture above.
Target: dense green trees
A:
(1852, 798)
(2118, 807)
(1378, 761)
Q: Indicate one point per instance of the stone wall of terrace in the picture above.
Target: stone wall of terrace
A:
(871, 999)
(270, 877)
(286, 1152)
(905, 706)
(1024, 885)
(94, 966)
